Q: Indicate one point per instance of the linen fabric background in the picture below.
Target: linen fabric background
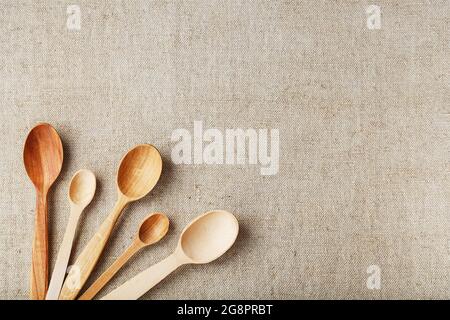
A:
(364, 125)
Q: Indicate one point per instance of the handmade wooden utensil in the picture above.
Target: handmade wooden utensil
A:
(203, 240)
(139, 171)
(81, 191)
(151, 230)
(43, 158)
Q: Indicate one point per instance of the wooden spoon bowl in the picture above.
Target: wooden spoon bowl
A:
(139, 171)
(153, 228)
(208, 237)
(43, 156)
(82, 188)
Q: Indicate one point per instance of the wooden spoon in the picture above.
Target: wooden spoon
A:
(205, 239)
(152, 229)
(43, 158)
(81, 191)
(139, 171)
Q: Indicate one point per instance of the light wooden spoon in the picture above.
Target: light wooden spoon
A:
(139, 171)
(152, 229)
(205, 239)
(81, 191)
(43, 158)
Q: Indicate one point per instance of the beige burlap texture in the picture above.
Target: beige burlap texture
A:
(364, 123)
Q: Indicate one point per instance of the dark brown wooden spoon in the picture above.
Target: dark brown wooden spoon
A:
(43, 158)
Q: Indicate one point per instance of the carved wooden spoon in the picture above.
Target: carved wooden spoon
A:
(152, 229)
(81, 191)
(43, 158)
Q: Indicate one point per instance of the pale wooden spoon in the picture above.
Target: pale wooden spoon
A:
(152, 229)
(43, 158)
(81, 191)
(205, 239)
(139, 171)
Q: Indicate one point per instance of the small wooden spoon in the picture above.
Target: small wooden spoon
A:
(205, 239)
(139, 171)
(43, 158)
(81, 191)
(152, 229)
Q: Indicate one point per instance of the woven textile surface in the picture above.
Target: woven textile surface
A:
(364, 138)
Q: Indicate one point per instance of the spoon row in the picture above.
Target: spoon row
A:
(203, 240)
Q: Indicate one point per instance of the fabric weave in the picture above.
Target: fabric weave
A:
(364, 127)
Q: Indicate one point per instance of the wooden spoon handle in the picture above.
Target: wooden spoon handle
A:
(59, 271)
(39, 265)
(144, 281)
(88, 258)
(110, 272)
